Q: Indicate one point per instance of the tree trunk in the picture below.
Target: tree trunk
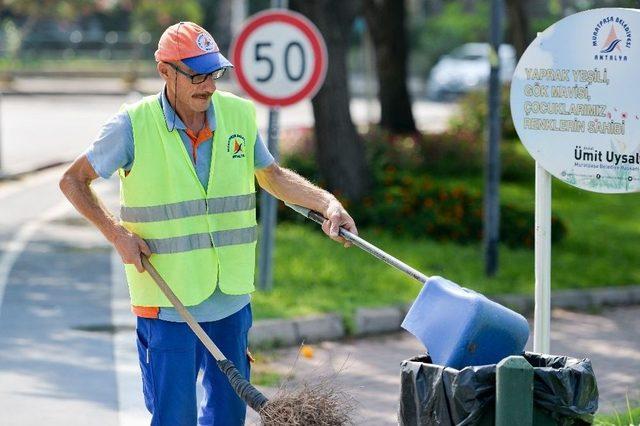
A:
(223, 25)
(469, 6)
(518, 26)
(434, 7)
(386, 24)
(340, 151)
(209, 17)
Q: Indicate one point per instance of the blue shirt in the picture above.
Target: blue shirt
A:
(113, 149)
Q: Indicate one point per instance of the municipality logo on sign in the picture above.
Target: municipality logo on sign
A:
(235, 145)
(612, 38)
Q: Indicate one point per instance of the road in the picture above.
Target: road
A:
(67, 349)
(40, 130)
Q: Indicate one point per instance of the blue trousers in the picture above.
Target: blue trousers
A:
(170, 358)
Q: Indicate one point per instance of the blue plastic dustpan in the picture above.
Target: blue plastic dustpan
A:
(459, 327)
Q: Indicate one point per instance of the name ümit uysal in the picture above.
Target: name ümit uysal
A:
(596, 155)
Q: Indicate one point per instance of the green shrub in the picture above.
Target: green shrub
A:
(408, 200)
(456, 154)
(474, 115)
(517, 165)
(444, 154)
(418, 206)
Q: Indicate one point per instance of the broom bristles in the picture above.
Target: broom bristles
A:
(322, 403)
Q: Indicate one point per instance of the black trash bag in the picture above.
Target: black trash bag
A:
(563, 387)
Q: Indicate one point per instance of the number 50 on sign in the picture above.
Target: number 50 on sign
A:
(280, 58)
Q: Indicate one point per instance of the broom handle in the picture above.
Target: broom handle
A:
(245, 390)
(363, 244)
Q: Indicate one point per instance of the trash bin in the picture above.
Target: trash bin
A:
(565, 392)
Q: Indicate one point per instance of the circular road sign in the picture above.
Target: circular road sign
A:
(574, 100)
(280, 57)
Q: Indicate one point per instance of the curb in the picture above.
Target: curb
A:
(282, 332)
(271, 333)
(591, 299)
(21, 174)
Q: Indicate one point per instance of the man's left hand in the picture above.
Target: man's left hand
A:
(338, 217)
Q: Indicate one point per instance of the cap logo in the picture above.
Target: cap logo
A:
(205, 42)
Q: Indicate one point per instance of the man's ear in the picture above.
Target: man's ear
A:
(163, 70)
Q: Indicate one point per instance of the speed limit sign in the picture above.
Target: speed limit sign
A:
(280, 58)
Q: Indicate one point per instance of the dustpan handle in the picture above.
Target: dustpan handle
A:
(363, 244)
(245, 390)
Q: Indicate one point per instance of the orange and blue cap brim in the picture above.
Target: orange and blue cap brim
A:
(209, 62)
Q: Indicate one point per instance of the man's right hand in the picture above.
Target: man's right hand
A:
(76, 186)
(130, 247)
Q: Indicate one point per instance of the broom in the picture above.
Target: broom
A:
(319, 405)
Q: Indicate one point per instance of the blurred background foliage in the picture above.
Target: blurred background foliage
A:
(409, 182)
(33, 28)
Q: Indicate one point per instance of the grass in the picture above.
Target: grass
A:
(315, 275)
(630, 417)
(262, 374)
(262, 377)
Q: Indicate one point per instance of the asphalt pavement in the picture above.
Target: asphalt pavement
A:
(67, 345)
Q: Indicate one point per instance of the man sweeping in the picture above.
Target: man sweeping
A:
(186, 159)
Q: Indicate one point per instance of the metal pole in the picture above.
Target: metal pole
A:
(492, 174)
(280, 4)
(238, 15)
(1, 99)
(369, 75)
(268, 204)
(542, 315)
(268, 212)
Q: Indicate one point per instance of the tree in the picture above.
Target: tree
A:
(155, 16)
(518, 25)
(340, 151)
(31, 12)
(386, 23)
(217, 19)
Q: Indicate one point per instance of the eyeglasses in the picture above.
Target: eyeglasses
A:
(199, 78)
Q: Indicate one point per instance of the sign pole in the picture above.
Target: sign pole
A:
(492, 174)
(542, 315)
(268, 204)
(268, 211)
(1, 99)
(542, 268)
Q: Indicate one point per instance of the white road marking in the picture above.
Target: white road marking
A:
(131, 408)
(16, 246)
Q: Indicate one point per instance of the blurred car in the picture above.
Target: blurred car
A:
(467, 68)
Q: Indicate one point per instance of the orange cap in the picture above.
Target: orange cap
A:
(192, 44)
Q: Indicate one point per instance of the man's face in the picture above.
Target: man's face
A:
(195, 97)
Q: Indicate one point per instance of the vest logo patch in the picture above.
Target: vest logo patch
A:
(235, 145)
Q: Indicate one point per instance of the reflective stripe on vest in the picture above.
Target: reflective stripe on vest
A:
(200, 241)
(188, 208)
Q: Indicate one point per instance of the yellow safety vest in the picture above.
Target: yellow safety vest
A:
(197, 237)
